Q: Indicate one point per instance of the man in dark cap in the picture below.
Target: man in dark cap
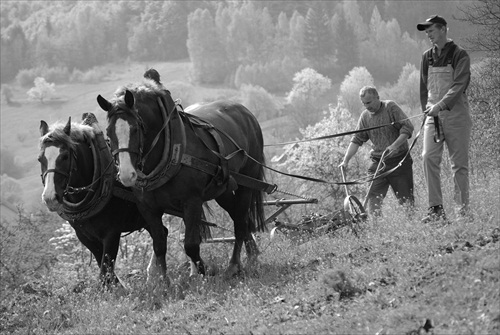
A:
(444, 78)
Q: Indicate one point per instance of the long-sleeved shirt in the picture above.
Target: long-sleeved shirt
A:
(381, 138)
(461, 74)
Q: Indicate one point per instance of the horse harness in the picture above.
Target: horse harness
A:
(174, 155)
(102, 188)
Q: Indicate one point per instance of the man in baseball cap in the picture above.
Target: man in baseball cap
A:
(444, 78)
(430, 21)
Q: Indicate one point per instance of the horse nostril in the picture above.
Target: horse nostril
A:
(133, 175)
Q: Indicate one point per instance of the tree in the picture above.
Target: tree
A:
(345, 44)
(207, 54)
(309, 86)
(350, 87)
(42, 90)
(407, 89)
(485, 15)
(318, 47)
(7, 94)
(262, 104)
(484, 89)
(13, 51)
(319, 159)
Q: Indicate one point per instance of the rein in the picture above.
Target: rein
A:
(157, 137)
(142, 158)
(339, 134)
(361, 180)
(76, 190)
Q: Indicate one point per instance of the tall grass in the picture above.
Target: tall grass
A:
(401, 272)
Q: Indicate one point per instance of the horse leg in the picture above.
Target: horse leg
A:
(158, 233)
(192, 220)
(108, 275)
(251, 248)
(237, 206)
(95, 247)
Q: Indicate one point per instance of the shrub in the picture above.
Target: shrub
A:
(7, 94)
(42, 90)
(262, 104)
(58, 75)
(8, 165)
(11, 190)
(91, 76)
(183, 91)
(25, 247)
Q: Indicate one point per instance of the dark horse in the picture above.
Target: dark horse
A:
(79, 184)
(204, 150)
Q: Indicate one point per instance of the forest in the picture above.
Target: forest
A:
(228, 42)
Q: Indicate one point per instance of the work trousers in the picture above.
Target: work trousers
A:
(456, 135)
(400, 180)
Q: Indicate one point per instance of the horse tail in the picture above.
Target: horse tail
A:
(205, 232)
(257, 216)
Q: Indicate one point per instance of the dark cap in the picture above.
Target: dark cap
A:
(430, 21)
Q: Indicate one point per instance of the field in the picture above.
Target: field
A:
(20, 121)
(388, 280)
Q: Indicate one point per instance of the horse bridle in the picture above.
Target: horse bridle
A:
(68, 189)
(142, 159)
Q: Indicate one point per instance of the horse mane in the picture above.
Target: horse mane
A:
(56, 135)
(146, 89)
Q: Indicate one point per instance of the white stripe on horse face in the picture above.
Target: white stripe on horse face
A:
(49, 190)
(126, 170)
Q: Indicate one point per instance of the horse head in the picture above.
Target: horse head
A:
(125, 134)
(58, 151)
(128, 112)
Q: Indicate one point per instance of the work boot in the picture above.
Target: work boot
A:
(435, 213)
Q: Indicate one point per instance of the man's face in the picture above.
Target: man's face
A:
(436, 34)
(371, 102)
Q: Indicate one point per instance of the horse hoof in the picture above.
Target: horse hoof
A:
(232, 271)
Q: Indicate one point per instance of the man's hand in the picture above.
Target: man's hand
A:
(389, 150)
(343, 165)
(433, 110)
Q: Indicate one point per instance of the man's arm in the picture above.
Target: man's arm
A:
(351, 151)
(461, 79)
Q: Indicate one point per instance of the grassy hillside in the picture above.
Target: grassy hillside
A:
(20, 120)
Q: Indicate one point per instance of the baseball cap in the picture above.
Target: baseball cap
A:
(430, 21)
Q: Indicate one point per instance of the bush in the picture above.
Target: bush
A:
(25, 246)
(42, 90)
(8, 165)
(262, 104)
(92, 76)
(11, 190)
(7, 94)
(58, 75)
(320, 159)
(183, 91)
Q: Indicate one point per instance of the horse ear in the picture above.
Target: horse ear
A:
(129, 99)
(44, 128)
(105, 104)
(67, 127)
